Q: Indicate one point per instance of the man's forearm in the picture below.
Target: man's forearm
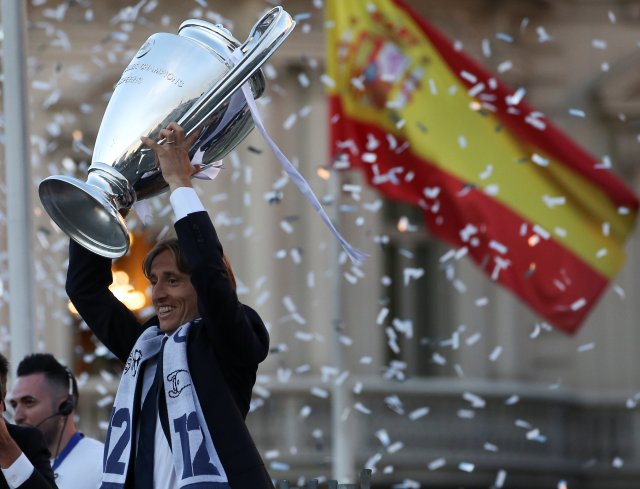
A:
(15, 466)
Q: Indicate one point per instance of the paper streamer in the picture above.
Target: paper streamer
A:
(354, 254)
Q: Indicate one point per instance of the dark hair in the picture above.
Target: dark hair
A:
(4, 366)
(55, 373)
(173, 245)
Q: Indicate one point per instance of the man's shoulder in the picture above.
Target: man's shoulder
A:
(90, 444)
(86, 454)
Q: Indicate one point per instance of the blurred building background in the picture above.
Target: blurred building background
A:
(444, 380)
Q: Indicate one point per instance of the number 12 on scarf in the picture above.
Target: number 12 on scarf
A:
(198, 464)
(201, 463)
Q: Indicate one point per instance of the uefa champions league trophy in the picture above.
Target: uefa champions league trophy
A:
(188, 78)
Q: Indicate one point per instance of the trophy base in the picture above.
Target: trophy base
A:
(85, 214)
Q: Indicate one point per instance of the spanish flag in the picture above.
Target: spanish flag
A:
(494, 177)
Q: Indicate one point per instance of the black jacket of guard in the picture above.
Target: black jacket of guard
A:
(31, 442)
(223, 350)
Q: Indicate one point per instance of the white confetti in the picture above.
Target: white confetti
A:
(470, 77)
(290, 121)
(105, 401)
(432, 86)
(490, 447)
(476, 89)
(369, 157)
(327, 81)
(492, 189)
(476, 401)
(486, 48)
(395, 447)
(497, 246)
(516, 97)
(436, 464)
(487, 172)
(505, 66)
(586, 347)
(318, 392)
(552, 202)
(599, 43)
(358, 406)
(560, 232)
(577, 113)
(514, 399)
(412, 274)
(418, 413)
(269, 454)
(540, 231)
(497, 351)
(473, 339)
(286, 226)
(303, 79)
(605, 164)
(403, 326)
(539, 160)
(579, 304)
(438, 359)
(542, 34)
(279, 466)
(533, 119)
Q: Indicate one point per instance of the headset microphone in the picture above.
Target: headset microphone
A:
(54, 415)
(67, 406)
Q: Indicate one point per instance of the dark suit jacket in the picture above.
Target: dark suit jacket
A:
(223, 350)
(32, 444)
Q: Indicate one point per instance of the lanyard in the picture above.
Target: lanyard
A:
(77, 436)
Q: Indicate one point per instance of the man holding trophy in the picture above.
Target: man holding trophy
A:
(178, 417)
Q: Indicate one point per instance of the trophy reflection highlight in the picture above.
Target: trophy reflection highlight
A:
(187, 78)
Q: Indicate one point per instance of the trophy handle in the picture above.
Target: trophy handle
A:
(265, 37)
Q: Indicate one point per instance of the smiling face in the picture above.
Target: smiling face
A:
(172, 293)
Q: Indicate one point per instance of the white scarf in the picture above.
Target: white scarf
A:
(195, 459)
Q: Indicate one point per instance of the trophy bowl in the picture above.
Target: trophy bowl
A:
(187, 78)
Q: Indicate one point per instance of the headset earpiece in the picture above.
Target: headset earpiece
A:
(67, 406)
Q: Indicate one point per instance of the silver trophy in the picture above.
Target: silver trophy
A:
(188, 78)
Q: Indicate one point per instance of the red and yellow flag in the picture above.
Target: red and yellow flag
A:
(430, 127)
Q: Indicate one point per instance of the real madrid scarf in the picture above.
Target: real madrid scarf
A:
(195, 459)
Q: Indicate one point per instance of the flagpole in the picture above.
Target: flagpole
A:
(17, 165)
(342, 453)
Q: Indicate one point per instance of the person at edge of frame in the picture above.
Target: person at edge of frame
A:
(24, 457)
(45, 395)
